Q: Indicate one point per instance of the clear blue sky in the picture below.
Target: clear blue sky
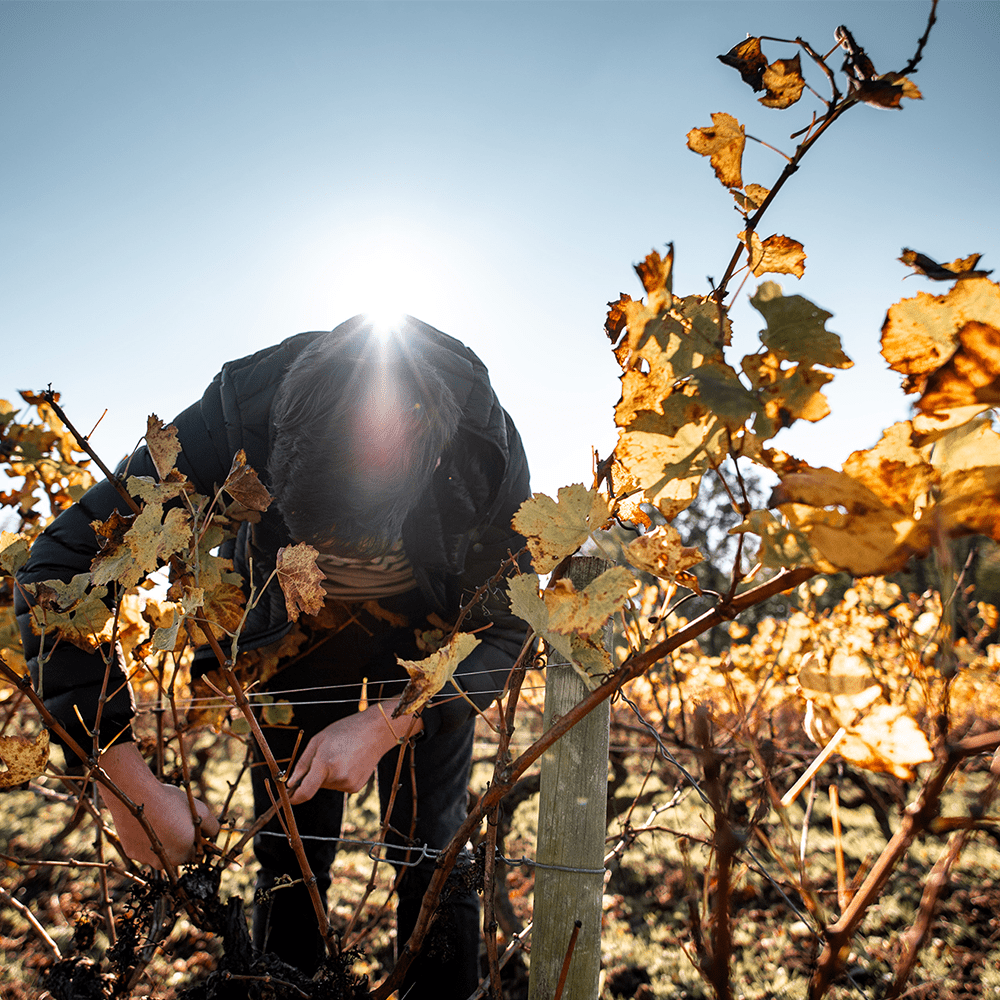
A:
(185, 183)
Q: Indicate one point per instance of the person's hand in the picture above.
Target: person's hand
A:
(165, 808)
(344, 755)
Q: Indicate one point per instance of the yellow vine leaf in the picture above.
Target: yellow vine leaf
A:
(663, 553)
(796, 328)
(75, 610)
(301, 580)
(572, 611)
(921, 334)
(750, 198)
(163, 445)
(555, 529)
(723, 143)
(14, 549)
(894, 500)
(586, 653)
(147, 541)
(429, 675)
(25, 758)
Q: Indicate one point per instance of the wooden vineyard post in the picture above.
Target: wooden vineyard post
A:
(572, 821)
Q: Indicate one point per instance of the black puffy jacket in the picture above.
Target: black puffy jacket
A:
(455, 538)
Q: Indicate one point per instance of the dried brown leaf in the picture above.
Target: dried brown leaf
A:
(163, 445)
(301, 579)
(243, 485)
(429, 675)
(964, 267)
(748, 59)
(723, 143)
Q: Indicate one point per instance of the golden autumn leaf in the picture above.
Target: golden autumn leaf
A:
(162, 444)
(894, 500)
(586, 653)
(751, 197)
(572, 611)
(656, 272)
(149, 539)
(887, 740)
(796, 328)
(429, 675)
(555, 529)
(662, 553)
(921, 333)
(631, 511)
(723, 143)
(846, 524)
(617, 319)
(785, 394)
(25, 758)
(301, 580)
(841, 692)
(782, 546)
(75, 610)
(748, 59)
(775, 255)
(243, 485)
(222, 611)
(145, 488)
(971, 377)
(14, 549)
(964, 267)
(784, 83)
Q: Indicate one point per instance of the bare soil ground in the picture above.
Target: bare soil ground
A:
(648, 949)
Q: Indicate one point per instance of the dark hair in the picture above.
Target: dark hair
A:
(360, 423)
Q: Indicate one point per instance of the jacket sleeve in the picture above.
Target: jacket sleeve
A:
(69, 679)
(482, 675)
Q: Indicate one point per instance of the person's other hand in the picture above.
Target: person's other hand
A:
(165, 808)
(344, 755)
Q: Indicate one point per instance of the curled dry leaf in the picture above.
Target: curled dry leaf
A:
(886, 91)
(25, 758)
(964, 267)
(135, 546)
(243, 485)
(748, 59)
(162, 444)
(556, 529)
(784, 83)
(656, 272)
(301, 580)
(723, 143)
(429, 675)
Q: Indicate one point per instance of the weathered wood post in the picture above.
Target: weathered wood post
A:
(572, 821)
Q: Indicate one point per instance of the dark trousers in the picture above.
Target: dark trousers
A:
(428, 807)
